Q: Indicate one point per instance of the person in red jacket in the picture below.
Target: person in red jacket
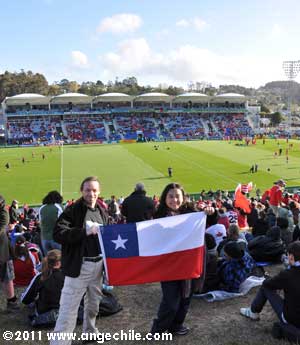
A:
(24, 263)
(276, 197)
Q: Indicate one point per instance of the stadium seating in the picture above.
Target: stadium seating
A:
(127, 126)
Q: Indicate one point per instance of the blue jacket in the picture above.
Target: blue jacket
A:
(234, 272)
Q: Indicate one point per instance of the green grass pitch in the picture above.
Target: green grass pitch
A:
(196, 165)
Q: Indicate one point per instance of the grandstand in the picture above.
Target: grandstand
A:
(112, 117)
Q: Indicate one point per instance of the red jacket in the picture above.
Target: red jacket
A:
(275, 196)
(24, 271)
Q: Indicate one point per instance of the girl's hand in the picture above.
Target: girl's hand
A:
(209, 210)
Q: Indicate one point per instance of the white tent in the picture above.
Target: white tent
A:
(153, 97)
(24, 98)
(74, 98)
(194, 97)
(229, 97)
(112, 97)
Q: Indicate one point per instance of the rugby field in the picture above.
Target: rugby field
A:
(196, 164)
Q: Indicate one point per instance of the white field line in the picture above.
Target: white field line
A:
(61, 168)
(212, 172)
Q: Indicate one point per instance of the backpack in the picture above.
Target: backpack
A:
(109, 305)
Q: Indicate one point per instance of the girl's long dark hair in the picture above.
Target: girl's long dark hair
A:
(53, 197)
(163, 209)
(48, 263)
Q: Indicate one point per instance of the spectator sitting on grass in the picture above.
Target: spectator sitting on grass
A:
(18, 230)
(223, 218)
(24, 263)
(287, 309)
(286, 234)
(215, 229)
(234, 235)
(236, 267)
(211, 281)
(261, 226)
(44, 290)
(267, 247)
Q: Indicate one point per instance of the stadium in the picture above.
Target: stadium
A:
(205, 139)
(150, 173)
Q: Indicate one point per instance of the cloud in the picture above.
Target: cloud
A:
(132, 55)
(186, 63)
(182, 23)
(196, 22)
(120, 23)
(199, 24)
(79, 59)
(276, 31)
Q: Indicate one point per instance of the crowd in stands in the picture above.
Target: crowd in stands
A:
(129, 126)
(151, 126)
(236, 241)
(234, 126)
(184, 126)
(42, 130)
(85, 128)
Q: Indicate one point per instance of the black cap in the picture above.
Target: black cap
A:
(234, 250)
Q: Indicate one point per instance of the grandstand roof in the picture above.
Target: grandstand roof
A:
(113, 97)
(230, 97)
(27, 95)
(23, 98)
(153, 97)
(190, 96)
(76, 98)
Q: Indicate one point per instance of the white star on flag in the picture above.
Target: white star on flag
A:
(119, 242)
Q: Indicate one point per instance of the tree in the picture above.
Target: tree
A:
(276, 118)
(73, 86)
(12, 84)
(264, 109)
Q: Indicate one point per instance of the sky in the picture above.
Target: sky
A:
(158, 41)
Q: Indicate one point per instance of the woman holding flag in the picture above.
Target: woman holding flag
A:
(176, 294)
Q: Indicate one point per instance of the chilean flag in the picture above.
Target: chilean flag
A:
(163, 249)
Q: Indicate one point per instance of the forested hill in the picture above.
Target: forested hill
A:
(13, 83)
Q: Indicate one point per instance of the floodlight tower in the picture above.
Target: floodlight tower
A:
(291, 70)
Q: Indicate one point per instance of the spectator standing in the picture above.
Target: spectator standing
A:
(137, 206)
(13, 212)
(6, 265)
(276, 197)
(113, 208)
(176, 295)
(48, 215)
(77, 231)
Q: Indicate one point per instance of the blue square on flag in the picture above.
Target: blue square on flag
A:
(120, 241)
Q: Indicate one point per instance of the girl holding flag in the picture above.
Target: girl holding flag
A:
(176, 294)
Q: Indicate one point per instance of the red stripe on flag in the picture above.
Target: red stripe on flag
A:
(181, 265)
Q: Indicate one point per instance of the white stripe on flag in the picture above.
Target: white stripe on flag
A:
(171, 234)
